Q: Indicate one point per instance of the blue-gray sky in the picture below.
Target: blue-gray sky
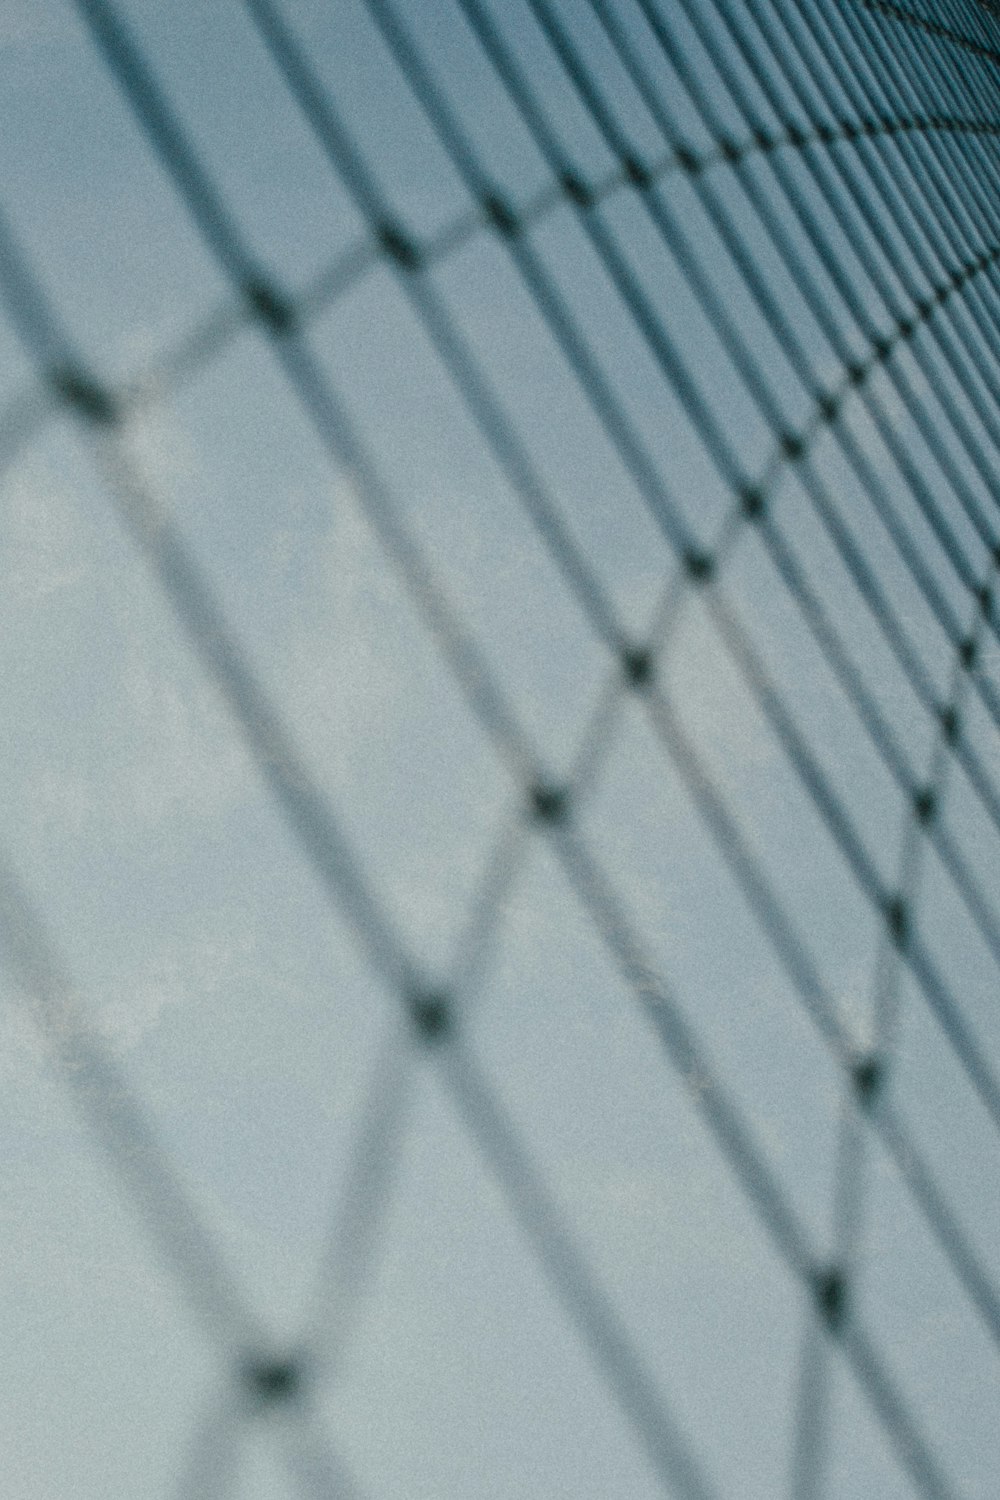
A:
(201, 947)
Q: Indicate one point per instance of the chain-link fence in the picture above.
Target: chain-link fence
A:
(502, 700)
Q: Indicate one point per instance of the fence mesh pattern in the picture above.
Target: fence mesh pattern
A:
(498, 906)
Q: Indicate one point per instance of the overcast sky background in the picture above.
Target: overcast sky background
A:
(238, 1001)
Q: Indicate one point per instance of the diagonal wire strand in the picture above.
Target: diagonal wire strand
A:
(210, 1467)
(809, 1455)
(348, 1261)
(120, 1125)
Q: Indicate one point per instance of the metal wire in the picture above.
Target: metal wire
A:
(928, 314)
(724, 825)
